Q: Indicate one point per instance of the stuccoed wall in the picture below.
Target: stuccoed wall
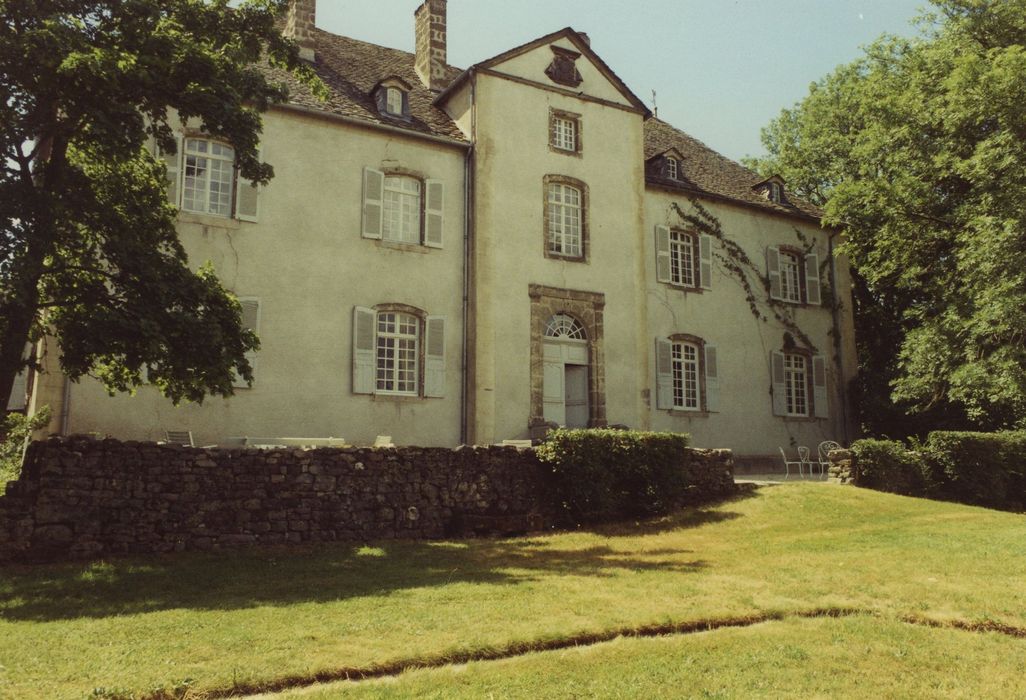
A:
(79, 497)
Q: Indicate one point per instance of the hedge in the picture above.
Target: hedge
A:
(886, 465)
(605, 474)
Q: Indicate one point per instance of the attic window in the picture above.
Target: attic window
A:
(775, 192)
(672, 170)
(392, 96)
(394, 101)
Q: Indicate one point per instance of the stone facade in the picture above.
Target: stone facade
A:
(81, 498)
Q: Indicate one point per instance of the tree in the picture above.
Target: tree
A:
(918, 151)
(89, 252)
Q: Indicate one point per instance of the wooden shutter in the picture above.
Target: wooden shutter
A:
(712, 379)
(406, 103)
(381, 98)
(250, 320)
(247, 201)
(773, 270)
(662, 253)
(664, 374)
(173, 161)
(812, 294)
(434, 357)
(705, 254)
(364, 358)
(779, 385)
(433, 218)
(819, 387)
(373, 202)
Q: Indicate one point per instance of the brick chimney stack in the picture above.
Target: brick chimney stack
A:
(299, 26)
(432, 58)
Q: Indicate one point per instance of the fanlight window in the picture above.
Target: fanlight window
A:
(563, 327)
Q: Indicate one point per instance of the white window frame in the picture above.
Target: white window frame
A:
(672, 170)
(790, 276)
(566, 220)
(564, 133)
(398, 345)
(684, 259)
(402, 209)
(776, 192)
(687, 372)
(394, 101)
(202, 162)
(796, 385)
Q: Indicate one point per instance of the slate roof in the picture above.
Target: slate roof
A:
(704, 171)
(351, 68)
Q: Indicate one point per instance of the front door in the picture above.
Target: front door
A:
(565, 383)
(576, 380)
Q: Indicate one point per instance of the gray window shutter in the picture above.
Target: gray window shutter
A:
(247, 201)
(433, 217)
(381, 98)
(812, 294)
(819, 387)
(17, 400)
(364, 358)
(712, 379)
(705, 251)
(173, 161)
(779, 387)
(250, 320)
(434, 357)
(664, 374)
(662, 253)
(373, 202)
(406, 103)
(773, 270)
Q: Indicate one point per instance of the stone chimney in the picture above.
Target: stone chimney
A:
(299, 26)
(432, 58)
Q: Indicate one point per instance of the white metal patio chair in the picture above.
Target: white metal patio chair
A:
(788, 463)
(824, 450)
(179, 437)
(804, 460)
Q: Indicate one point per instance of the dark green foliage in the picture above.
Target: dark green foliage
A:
(886, 465)
(986, 469)
(15, 428)
(600, 475)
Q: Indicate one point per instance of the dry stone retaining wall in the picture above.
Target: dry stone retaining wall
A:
(79, 497)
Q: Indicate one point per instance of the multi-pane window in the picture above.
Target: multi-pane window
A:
(790, 277)
(796, 387)
(564, 211)
(401, 209)
(686, 389)
(684, 259)
(209, 177)
(671, 168)
(396, 363)
(564, 133)
(394, 100)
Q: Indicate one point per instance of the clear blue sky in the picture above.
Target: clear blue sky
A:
(722, 69)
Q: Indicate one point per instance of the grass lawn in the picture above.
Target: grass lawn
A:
(259, 616)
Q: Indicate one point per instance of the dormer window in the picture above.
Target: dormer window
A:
(776, 193)
(392, 97)
(394, 101)
(672, 168)
(772, 189)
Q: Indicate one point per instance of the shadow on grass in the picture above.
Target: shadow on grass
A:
(327, 572)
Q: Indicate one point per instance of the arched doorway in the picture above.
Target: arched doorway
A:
(565, 376)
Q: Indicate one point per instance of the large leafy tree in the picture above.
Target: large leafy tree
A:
(88, 252)
(918, 151)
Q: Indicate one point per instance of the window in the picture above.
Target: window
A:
(683, 258)
(394, 101)
(687, 374)
(799, 384)
(790, 277)
(396, 346)
(397, 350)
(565, 220)
(209, 177)
(796, 391)
(401, 208)
(775, 192)
(564, 131)
(672, 171)
(793, 275)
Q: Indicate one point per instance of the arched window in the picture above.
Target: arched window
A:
(565, 217)
(790, 277)
(397, 337)
(564, 327)
(686, 385)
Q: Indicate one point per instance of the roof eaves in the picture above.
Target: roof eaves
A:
(677, 188)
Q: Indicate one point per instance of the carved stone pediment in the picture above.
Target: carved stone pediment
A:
(563, 69)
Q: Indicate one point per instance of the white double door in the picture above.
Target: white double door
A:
(565, 392)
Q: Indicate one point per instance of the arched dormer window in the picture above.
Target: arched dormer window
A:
(392, 96)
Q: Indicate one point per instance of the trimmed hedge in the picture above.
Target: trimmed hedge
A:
(604, 474)
(886, 465)
(984, 469)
